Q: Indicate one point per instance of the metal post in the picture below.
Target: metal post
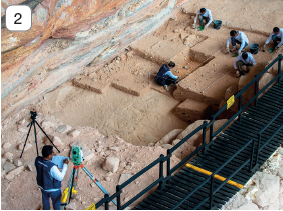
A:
(106, 203)
(204, 137)
(252, 155)
(161, 173)
(279, 67)
(240, 106)
(118, 197)
(258, 146)
(256, 90)
(168, 166)
(211, 192)
(211, 131)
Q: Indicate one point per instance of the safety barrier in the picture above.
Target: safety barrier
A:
(252, 163)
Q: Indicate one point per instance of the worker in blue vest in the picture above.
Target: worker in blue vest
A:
(49, 177)
(165, 77)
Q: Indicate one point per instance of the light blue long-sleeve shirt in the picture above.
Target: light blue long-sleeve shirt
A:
(280, 35)
(242, 37)
(170, 74)
(249, 60)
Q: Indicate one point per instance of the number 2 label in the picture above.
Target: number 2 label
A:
(18, 18)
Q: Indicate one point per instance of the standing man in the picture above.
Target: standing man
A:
(203, 13)
(244, 59)
(49, 177)
(276, 36)
(237, 37)
(165, 77)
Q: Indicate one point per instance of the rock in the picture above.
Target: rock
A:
(114, 148)
(55, 139)
(8, 155)
(74, 133)
(18, 163)
(264, 80)
(88, 154)
(124, 178)
(6, 145)
(107, 179)
(268, 186)
(21, 122)
(27, 147)
(29, 167)
(123, 164)
(150, 144)
(3, 172)
(63, 128)
(8, 167)
(183, 36)
(280, 173)
(167, 139)
(166, 146)
(248, 206)
(111, 164)
(47, 124)
(79, 197)
(71, 206)
(92, 185)
(22, 129)
(13, 173)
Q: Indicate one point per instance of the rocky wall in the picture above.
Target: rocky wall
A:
(67, 35)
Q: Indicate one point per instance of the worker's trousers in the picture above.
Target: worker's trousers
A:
(240, 65)
(55, 197)
(275, 40)
(234, 41)
(201, 17)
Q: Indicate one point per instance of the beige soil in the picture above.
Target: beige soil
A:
(123, 101)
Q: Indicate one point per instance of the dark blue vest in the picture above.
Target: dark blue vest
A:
(160, 78)
(44, 178)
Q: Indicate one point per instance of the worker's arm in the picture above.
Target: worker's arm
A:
(269, 38)
(210, 18)
(171, 75)
(235, 63)
(252, 60)
(195, 20)
(243, 43)
(228, 41)
(56, 174)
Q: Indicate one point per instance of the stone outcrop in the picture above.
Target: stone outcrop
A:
(111, 164)
(65, 37)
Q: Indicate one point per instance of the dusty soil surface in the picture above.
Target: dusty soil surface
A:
(123, 103)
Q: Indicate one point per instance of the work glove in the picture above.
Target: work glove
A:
(227, 50)
(263, 50)
(205, 27)
(234, 48)
(276, 48)
(194, 26)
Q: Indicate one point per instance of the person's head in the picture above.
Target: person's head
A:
(47, 152)
(276, 30)
(245, 55)
(233, 33)
(171, 64)
(202, 10)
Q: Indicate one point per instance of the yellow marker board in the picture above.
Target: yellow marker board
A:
(230, 101)
(91, 207)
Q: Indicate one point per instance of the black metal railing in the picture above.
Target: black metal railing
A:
(161, 180)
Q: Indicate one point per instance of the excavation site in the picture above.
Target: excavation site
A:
(83, 80)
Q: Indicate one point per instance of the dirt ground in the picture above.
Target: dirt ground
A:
(124, 108)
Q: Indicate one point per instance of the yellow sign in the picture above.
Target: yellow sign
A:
(230, 101)
(91, 207)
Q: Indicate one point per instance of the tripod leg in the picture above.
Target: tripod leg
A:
(75, 183)
(35, 137)
(72, 184)
(46, 136)
(26, 138)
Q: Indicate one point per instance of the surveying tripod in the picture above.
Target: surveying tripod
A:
(77, 157)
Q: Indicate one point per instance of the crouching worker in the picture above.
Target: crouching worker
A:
(276, 36)
(244, 59)
(205, 14)
(165, 77)
(49, 178)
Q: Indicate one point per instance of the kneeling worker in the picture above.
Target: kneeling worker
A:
(276, 35)
(237, 37)
(203, 13)
(165, 77)
(49, 177)
(244, 59)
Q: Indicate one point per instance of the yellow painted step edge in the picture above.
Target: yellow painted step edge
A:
(216, 176)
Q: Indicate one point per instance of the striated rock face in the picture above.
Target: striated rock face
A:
(65, 37)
